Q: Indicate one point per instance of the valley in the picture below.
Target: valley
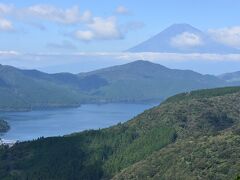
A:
(31, 125)
(187, 135)
(119, 90)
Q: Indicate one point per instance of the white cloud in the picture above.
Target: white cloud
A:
(67, 16)
(9, 53)
(186, 40)
(228, 36)
(92, 27)
(177, 56)
(151, 56)
(84, 35)
(5, 25)
(122, 10)
(128, 56)
(100, 29)
(90, 59)
(105, 28)
(5, 8)
(70, 15)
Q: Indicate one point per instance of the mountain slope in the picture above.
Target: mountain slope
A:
(203, 158)
(182, 38)
(189, 136)
(233, 78)
(146, 81)
(139, 81)
(21, 91)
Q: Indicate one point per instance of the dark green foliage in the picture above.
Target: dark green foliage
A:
(213, 157)
(206, 93)
(208, 138)
(88, 155)
(190, 138)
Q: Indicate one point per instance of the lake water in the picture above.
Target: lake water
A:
(34, 124)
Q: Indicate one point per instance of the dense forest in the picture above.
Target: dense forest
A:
(192, 135)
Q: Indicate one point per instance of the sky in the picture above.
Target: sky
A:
(82, 35)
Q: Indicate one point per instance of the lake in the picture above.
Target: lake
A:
(46, 123)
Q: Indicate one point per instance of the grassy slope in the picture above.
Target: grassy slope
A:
(193, 136)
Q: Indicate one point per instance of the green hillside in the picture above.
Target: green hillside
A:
(139, 81)
(189, 136)
(145, 81)
(20, 91)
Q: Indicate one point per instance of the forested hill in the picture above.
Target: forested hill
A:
(147, 81)
(139, 81)
(29, 89)
(190, 136)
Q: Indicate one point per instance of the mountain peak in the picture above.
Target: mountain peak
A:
(144, 64)
(176, 38)
(182, 27)
(141, 62)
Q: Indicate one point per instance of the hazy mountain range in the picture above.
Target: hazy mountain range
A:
(233, 78)
(183, 38)
(139, 81)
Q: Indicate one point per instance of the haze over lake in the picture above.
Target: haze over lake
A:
(34, 124)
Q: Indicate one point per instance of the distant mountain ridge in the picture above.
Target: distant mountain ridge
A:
(27, 89)
(182, 38)
(138, 81)
(144, 80)
(233, 78)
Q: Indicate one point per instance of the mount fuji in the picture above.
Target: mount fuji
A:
(183, 38)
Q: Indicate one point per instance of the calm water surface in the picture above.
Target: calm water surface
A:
(34, 124)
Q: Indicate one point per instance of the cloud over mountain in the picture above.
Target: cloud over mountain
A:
(184, 38)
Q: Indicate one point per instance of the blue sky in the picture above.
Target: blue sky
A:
(69, 27)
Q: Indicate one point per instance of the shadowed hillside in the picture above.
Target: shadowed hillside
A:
(189, 136)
